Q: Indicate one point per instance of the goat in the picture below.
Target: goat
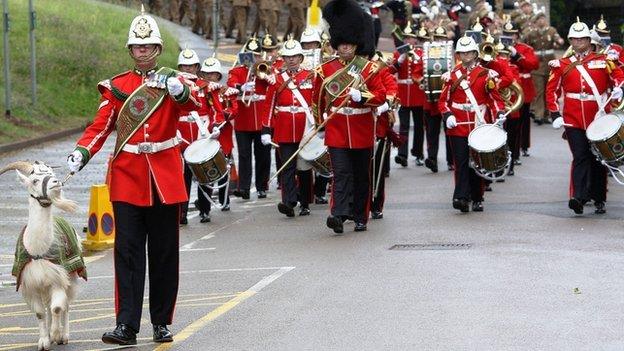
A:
(48, 256)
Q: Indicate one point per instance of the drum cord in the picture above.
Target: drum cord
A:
(218, 187)
(492, 175)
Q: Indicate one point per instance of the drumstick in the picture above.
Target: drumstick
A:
(469, 122)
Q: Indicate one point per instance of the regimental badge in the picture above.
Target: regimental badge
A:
(290, 44)
(253, 45)
(138, 105)
(333, 88)
(408, 28)
(464, 41)
(440, 31)
(508, 26)
(187, 54)
(267, 41)
(602, 25)
(142, 29)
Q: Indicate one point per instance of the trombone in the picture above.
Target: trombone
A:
(260, 69)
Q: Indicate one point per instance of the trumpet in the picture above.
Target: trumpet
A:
(262, 70)
(487, 51)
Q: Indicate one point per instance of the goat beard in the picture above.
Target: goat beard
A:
(62, 203)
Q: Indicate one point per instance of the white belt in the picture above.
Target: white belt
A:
(466, 107)
(525, 75)
(351, 111)
(190, 118)
(584, 96)
(151, 148)
(405, 81)
(254, 97)
(545, 52)
(291, 109)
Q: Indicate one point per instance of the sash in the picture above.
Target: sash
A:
(297, 94)
(341, 80)
(592, 85)
(473, 101)
(136, 110)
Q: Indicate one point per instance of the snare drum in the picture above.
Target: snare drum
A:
(437, 60)
(606, 135)
(206, 160)
(315, 154)
(489, 152)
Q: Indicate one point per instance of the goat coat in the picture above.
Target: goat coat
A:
(66, 254)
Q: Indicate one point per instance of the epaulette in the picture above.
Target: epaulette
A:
(319, 71)
(108, 84)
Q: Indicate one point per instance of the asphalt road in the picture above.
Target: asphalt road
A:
(534, 277)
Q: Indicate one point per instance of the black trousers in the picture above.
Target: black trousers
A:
(433, 135)
(204, 205)
(287, 177)
(525, 126)
(320, 185)
(351, 180)
(589, 177)
(379, 178)
(512, 126)
(468, 185)
(305, 187)
(416, 114)
(262, 155)
(158, 226)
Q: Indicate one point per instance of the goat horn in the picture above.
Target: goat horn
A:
(22, 166)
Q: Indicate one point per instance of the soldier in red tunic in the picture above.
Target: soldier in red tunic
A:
(583, 80)
(209, 112)
(347, 89)
(210, 71)
(145, 178)
(614, 51)
(467, 98)
(252, 105)
(289, 116)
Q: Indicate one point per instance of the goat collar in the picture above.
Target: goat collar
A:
(43, 200)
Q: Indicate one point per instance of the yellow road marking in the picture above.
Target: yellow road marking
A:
(200, 323)
(92, 318)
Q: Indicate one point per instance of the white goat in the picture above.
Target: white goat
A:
(48, 257)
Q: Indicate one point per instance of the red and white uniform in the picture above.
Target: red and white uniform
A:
(454, 99)
(526, 62)
(515, 71)
(409, 74)
(615, 53)
(579, 103)
(352, 126)
(504, 76)
(392, 89)
(286, 115)
(131, 175)
(249, 118)
(230, 110)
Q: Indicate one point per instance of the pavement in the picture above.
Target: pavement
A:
(526, 274)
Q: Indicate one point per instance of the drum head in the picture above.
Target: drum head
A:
(487, 137)
(315, 148)
(604, 127)
(201, 150)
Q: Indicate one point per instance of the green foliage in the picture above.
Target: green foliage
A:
(78, 44)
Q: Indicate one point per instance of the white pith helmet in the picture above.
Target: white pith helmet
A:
(144, 30)
(211, 65)
(466, 44)
(188, 57)
(291, 48)
(310, 35)
(579, 30)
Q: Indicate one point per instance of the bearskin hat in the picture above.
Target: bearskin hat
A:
(349, 24)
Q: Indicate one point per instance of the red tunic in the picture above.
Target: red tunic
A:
(455, 100)
(131, 175)
(410, 75)
(353, 130)
(615, 53)
(286, 114)
(392, 89)
(527, 62)
(230, 108)
(516, 74)
(579, 104)
(249, 118)
(501, 67)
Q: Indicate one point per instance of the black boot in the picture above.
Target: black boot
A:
(162, 334)
(576, 205)
(335, 223)
(122, 335)
(285, 209)
(600, 207)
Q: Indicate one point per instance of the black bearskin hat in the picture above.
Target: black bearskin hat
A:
(348, 23)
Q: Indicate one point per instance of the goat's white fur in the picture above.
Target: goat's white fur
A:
(47, 288)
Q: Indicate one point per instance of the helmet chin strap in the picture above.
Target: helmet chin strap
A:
(146, 59)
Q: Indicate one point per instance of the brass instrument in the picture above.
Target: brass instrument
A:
(508, 93)
(487, 51)
(262, 70)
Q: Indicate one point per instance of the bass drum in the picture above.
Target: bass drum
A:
(488, 150)
(606, 136)
(437, 60)
(206, 160)
(316, 155)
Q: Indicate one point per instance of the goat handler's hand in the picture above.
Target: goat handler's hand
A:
(74, 161)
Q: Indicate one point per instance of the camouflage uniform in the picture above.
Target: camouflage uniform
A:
(241, 11)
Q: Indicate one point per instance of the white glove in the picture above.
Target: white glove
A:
(213, 86)
(451, 122)
(446, 76)
(321, 134)
(74, 161)
(271, 79)
(558, 123)
(174, 86)
(383, 108)
(215, 133)
(554, 63)
(248, 87)
(265, 139)
(356, 95)
(513, 51)
(617, 94)
(231, 91)
(402, 58)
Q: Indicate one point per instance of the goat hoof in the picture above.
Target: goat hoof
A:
(64, 340)
(56, 337)
(44, 344)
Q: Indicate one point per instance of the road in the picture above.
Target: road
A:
(533, 277)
